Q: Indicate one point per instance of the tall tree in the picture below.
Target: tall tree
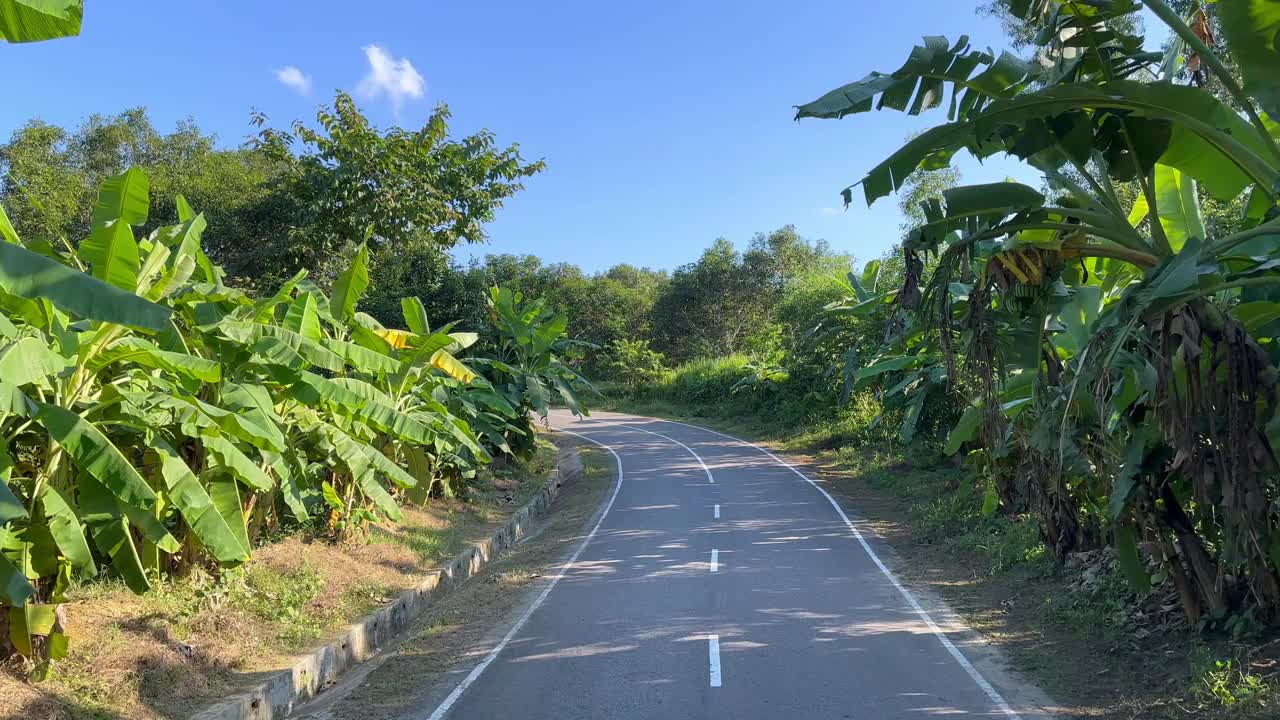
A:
(346, 180)
(48, 175)
(724, 302)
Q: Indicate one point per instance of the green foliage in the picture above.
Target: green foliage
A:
(1224, 685)
(402, 189)
(50, 177)
(1105, 347)
(529, 367)
(633, 365)
(36, 20)
(723, 303)
(705, 387)
(1250, 28)
(284, 201)
(156, 419)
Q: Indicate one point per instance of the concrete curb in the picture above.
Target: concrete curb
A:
(317, 671)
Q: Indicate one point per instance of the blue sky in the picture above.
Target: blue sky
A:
(664, 124)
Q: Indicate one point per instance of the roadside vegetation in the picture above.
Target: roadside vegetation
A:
(1071, 386)
(1060, 398)
(193, 640)
(176, 431)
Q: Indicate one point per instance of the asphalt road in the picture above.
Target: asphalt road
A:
(720, 583)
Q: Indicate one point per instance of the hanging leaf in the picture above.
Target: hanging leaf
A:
(225, 495)
(111, 533)
(1000, 198)
(1130, 562)
(28, 360)
(197, 507)
(313, 390)
(964, 431)
(236, 462)
(451, 366)
(361, 460)
(568, 395)
(312, 351)
(14, 586)
(361, 358)
(65, 527)
(1252, 30)
(29, 621)
(398, 339)
(1179, 207)
(1127, 479)
(24, 21)
(247, 426)
(990, 501)
(138, 351)
(290, 483)
(11, 507)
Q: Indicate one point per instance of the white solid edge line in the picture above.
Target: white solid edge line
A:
(715, 560)
(478, 670)
(976, 676)
(717, 511)
(696, 456)
(713, 653)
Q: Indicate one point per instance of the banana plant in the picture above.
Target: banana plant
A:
(81, 334)
(153, 418)
(529, 361)
(1119, 356)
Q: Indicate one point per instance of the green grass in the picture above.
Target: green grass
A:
(433, 545)
(1222, 687)
(510, 486)
(1104, 612)
(281, 598)
(944, 508)
(98, 678)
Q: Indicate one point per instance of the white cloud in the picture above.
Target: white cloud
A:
(830, 211)
(395, 78)
(294, 78)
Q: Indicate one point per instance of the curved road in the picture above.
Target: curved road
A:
(722, 583)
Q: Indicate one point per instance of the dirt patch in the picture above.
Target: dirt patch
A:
(458, 625)
(191, 641)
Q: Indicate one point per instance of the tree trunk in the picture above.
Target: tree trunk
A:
(1204, 570)
(1186, 592)
(6, 646)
